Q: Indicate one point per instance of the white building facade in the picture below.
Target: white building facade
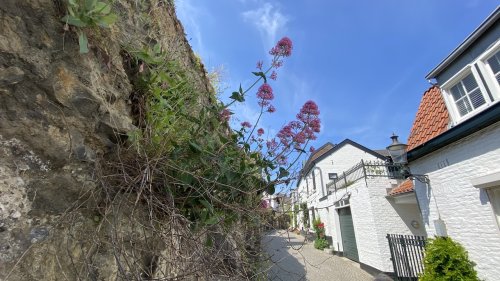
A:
(462, 161)
(357, 211)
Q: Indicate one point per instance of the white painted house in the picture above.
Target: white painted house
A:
(455, 142)
(348, 186)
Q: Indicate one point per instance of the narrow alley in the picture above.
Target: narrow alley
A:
(294, 259)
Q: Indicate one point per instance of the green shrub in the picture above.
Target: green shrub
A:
(447, 260)
(305, 214)
(320, 243)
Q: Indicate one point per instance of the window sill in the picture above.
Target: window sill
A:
(488, 181)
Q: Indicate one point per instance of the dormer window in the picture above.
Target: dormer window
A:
(494, 64)
(474, 87)
(491, 68)
(467, 95)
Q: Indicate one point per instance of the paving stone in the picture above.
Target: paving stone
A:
(295, 259)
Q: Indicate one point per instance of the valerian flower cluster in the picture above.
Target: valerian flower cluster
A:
(292, 140)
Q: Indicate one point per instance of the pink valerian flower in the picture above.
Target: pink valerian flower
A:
(274, 75)
(265, 92)
(277, 63)
(282, 160)
(246, 124)
(312, 149)
(259, 65)
(271, 109)
(308, 112)
(283, 48)
(300, 138)
(302, 130)
(315, 125)
(260, 132)
(263, 204)
(285, 133)
(271, 144)
(225, 114)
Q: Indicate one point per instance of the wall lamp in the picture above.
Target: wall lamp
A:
(398, 154)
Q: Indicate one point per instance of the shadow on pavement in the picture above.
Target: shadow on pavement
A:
(285, 266)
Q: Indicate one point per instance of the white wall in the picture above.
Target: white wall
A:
(389, 218)
(466, 210)
(374, 216)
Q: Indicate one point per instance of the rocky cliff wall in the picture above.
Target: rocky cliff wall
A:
(60, 112)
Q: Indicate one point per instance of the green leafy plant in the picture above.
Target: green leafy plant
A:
(447, 260)
(305, 214)
(321, 244)
(319, 227)
(295, 213)
(88, 13)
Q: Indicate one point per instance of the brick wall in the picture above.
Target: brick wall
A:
(466, 210)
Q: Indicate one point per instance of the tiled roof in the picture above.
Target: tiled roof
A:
(404, 187)
(320, 151)
(431, 120)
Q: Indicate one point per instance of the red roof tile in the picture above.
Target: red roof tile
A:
(404, 187)
(431, 120)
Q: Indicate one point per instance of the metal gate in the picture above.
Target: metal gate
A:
(407, 254)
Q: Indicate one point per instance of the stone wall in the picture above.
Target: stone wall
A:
(60, 112)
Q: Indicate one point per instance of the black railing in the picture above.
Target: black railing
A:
(407, 253)
(366, 169)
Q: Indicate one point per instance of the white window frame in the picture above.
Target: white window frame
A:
(490, 183)
(487, 72)
(450, 102)
(493, 201)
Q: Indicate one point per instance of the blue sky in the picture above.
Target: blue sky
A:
(362, 62)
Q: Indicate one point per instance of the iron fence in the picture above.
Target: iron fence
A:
(366, 169)
(407, 253)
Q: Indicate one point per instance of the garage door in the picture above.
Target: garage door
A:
(347, 232)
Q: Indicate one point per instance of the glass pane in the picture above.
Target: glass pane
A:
(477, 98)
(469, 82)
(457, 92)
(494, 62)
(463, 107)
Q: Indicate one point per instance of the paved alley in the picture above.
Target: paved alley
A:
(295, 260)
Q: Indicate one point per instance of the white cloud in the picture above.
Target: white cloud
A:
(244, 112)
(269, 21)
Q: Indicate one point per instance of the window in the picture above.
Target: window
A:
(490, 67)
(494, 195)
(494, 64)
(467, 95)
(491, 184)
(475, 87)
